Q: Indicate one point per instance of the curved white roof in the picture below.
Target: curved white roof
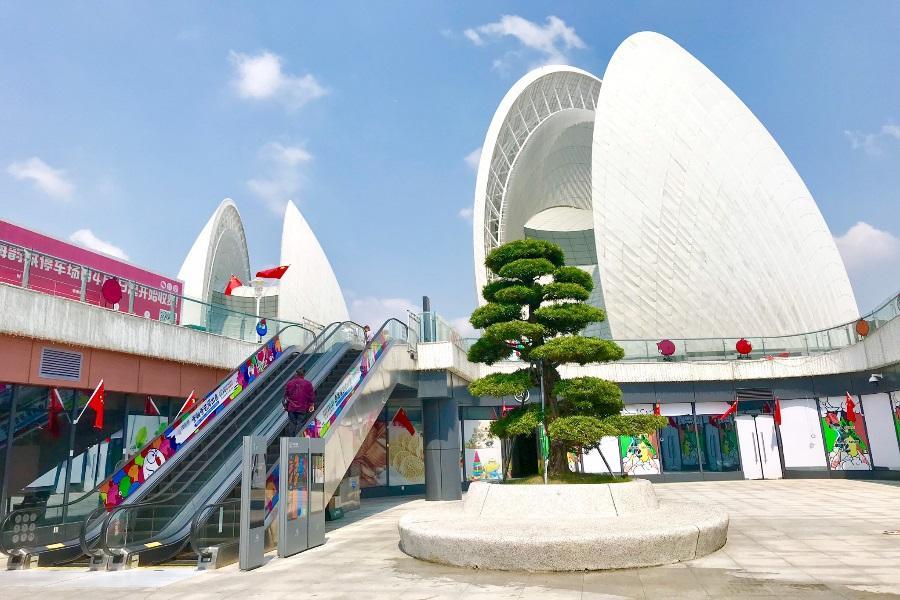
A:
(702, 226)
(557, 104)
(218, 252)
(308, 288)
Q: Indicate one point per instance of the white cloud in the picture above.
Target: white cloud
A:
(373, 311)
(261, 77)
(464, 328)
(52, 182)
(873, 143)
(551, 42)
(465, 213)
(473, 158)
(284, 177)
(865, 247)
(86, 238)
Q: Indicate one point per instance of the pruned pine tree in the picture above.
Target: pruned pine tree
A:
(536, 308)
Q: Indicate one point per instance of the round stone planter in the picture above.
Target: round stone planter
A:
(562, 528)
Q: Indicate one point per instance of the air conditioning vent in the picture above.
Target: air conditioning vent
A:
(753, 394)
(60, 364)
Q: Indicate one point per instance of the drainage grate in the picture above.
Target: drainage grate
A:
(60, 364)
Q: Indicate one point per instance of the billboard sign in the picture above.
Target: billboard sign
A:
(56, 269)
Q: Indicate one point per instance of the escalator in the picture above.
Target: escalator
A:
(157, 529)
(343, 419)
(59, 534)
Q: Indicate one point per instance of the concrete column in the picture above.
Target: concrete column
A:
(440, 418)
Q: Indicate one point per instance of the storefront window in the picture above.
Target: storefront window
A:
(679, 445)
(40, 447)
(718, 443)
(96, 452)
(147, 418)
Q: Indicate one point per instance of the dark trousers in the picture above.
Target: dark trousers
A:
(296, 421)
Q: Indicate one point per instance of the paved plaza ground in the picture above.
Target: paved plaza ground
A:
(788, 539)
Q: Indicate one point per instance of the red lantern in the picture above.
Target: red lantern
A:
(862, 327)
(111, 291)
(666, 347)
(743, 347)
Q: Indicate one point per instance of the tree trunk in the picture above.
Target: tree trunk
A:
(559, 461)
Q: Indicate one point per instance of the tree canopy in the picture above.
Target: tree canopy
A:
(535, 308)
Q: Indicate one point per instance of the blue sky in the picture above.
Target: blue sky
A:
(133, 121)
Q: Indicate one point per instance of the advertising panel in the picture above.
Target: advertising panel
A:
(56, 270)
(407, 448)
(335, 404)
(143, 465)
(483, 453)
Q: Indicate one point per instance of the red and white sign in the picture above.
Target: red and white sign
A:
(56, 270)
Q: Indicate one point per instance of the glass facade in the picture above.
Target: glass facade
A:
(718, 443)
(37, 437)
(679, 445)
(393, 454)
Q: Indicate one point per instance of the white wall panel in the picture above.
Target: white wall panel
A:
(882, 431)
(801, 434)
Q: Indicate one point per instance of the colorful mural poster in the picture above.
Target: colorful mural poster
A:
(846, 440)
(407, 448)
(895, 406)
(371, 460)
(142, 429)
(483, 453)
(332, 407)
(296, 486)
(164, 446)
(640, 454)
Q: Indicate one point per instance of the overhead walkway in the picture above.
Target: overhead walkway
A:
(145, 510)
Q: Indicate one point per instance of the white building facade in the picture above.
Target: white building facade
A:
(664, 186)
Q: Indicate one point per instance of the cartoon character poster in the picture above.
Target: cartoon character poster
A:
(846, 439)
(640, 454)
(483, 454)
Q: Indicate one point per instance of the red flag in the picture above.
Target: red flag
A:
(731, 410)
(656, 409)
(777, 411)
(150, 408)
(273, 273)
(234, 282)
(188, 404)
(851, 409)
(54, 407)
(95, 403)
(401, 420)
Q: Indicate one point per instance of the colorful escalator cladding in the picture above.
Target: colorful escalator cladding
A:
(332, 408)
(163, 447)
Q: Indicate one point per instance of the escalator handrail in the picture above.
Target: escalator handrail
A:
(82, 535)
(199, 516)
(317, 343)
(405, 329)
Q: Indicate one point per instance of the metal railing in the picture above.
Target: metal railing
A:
(38, 271)
(724, 348)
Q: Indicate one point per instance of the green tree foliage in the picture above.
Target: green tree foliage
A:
(535, 308)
